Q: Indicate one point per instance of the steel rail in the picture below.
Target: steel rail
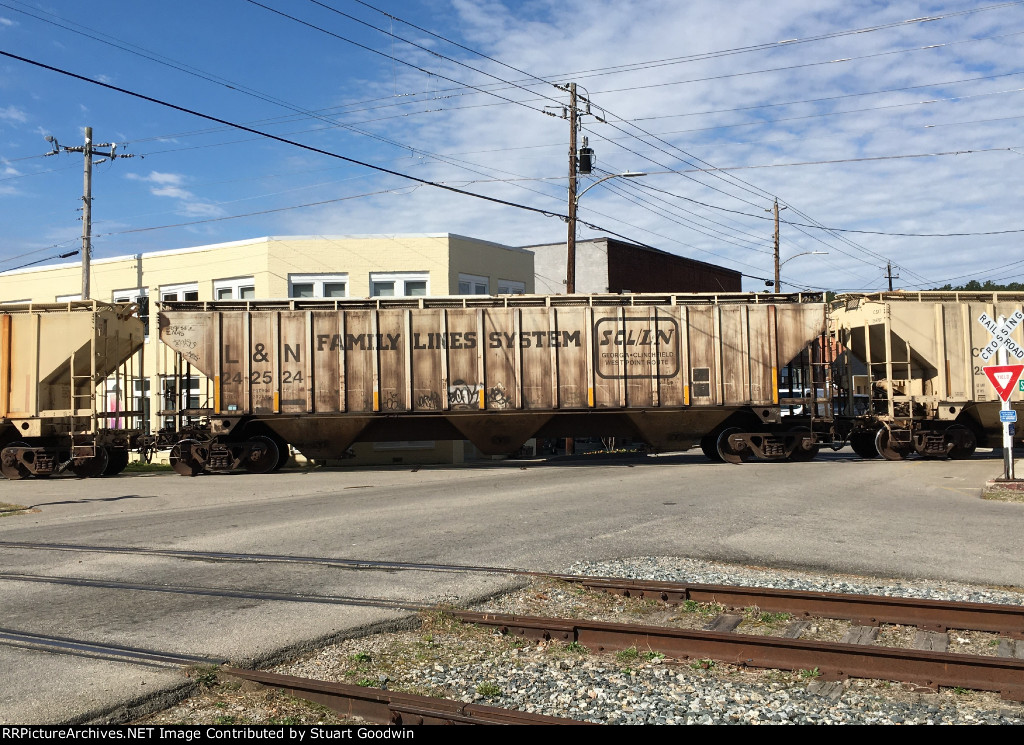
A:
(261, 558)
(935, 615)
(834, 660)
(223, 592)
(29, 640)
(868, 610)
(391, 707)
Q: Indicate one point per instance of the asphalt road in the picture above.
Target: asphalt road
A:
(907, 519)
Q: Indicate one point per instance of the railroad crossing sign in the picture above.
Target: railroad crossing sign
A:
(1001, 336)
(1004, 377)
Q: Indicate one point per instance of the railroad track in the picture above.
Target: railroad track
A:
(374, 705)
(391, 707)
(927, 664)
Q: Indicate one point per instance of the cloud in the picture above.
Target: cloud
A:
(170, 185)
(684, 89)
(13, 114)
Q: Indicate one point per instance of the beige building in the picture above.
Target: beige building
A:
(285, 267)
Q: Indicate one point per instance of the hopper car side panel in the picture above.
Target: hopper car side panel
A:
(320, 376)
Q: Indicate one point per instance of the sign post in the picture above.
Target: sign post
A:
(1004, 376)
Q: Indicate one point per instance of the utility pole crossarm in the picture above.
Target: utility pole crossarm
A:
(89, 151)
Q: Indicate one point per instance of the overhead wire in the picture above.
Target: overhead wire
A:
(1005, 4)
(124, 46)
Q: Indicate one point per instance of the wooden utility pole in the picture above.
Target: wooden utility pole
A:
(89, 151)
(890, 275)
(87, 213)
(777, 287)
(570, 266)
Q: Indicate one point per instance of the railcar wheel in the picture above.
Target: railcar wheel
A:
(727, 452)
(709, 446)
(285, 453)
(10, 466)
(970, 443)
(885, 448)
(118, 462)
(87, 468)
(188, 457)
(801, 454)
(863, 444)
(263, 455)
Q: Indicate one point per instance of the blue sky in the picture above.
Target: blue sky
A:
(908, 127)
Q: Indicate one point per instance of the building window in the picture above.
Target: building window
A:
(317, 285)
(69, 298)
(472, 285)
(406, 284)
(241, 288)
(511, 287)
(138, 295)
(180, 292)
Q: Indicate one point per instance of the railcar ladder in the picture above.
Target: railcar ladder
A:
(88, 396)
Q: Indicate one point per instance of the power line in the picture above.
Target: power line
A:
(231, 85)
(633, 67)
(310, 148)
(771, 45)
(388, 56)
(808, 64)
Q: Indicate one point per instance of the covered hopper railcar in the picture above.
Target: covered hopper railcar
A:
(911, 372)
(675, 371)
(64, 372)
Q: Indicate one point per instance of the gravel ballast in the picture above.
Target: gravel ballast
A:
(444, 658)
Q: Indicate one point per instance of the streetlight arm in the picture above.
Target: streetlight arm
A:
(605, 178)
(805, 253)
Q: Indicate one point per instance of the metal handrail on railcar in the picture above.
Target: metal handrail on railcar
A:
(496, 301)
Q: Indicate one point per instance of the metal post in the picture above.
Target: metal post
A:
(1002, 358)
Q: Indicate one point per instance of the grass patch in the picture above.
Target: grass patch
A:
(489, 690)
(704, 609)
(756, 615)
(627, 655)
(140, 467)
(6, 508)
(205, 675)
(576, 648)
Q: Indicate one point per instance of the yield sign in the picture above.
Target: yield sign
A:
(1003, 378)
